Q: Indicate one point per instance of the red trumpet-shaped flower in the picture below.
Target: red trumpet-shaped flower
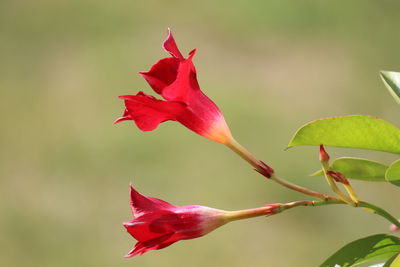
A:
(174, 78)
(158, 224)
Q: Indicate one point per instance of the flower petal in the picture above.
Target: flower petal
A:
(171, 47)
(162, 74)
(148, 112)
(141, 204)
(157, 240)
(140, 248)
(185, 83)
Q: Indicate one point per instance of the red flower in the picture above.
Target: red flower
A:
(158, 224)
(174, 78)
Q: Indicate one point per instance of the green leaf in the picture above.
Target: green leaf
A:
(392, 81)
(375, 247)
(393, 261)
(393, 173)
(357, 168)
(353, 131)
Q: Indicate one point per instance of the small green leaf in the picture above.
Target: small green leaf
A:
(393, 173)
(393, 261)
(375, 247)
(353, 131)
(392, 81)
(360, 169)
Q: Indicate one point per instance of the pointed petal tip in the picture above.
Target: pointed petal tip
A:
(131, 189)
(131, 224)
(133, 192)
(193, 52)
(120, 119)
(170, 46)
(129, 255)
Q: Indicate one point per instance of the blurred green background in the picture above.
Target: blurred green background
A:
(271, 66)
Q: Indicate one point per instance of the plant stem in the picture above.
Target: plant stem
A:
(326, 200)
(377, 210)
(258, 165)
(351, 193)
(244, 154)
(301, 189)
(278, 208)
(333, 186)
(250, 213)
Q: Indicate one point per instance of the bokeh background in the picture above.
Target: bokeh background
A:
(271, 66)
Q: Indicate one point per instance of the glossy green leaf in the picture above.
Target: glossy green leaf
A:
(353, 131)
(392, 81)
(393, 173)
(375, 247)
(360, 169)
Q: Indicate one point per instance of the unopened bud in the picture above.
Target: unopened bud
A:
(323, 156)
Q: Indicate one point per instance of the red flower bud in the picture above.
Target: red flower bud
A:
(174, 78)
(323, 155)
(158, 224)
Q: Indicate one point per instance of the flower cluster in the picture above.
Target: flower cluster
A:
(158, 224)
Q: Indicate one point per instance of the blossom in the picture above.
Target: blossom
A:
(158, 224)
(175, 79)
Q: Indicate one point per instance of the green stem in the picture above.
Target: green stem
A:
(373, 208)
(333, 186)
(377, 210)
(244, 154)
(257, 164)
(301, 189)
(326, 200)
(278, 208)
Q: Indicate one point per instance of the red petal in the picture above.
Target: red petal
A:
(157, 240)
(140, 249)
(162, 74)
(141, 204)
(124, 117)
(148, 112)
(137, 249)
(184, 84)
(171, 47)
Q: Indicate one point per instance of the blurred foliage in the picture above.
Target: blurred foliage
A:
(271, 66)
